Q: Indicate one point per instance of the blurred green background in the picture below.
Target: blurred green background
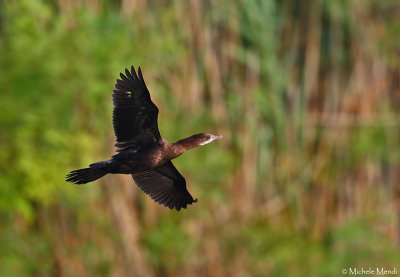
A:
(306, 93)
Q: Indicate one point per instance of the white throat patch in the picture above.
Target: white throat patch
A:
(207, 141)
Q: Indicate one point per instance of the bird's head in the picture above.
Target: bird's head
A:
(197, 140)
(203, 139)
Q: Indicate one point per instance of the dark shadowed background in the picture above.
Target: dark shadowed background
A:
(306, 93)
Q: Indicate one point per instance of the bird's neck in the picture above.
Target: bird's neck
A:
(184, 144)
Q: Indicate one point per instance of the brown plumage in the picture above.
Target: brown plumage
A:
(142, 152)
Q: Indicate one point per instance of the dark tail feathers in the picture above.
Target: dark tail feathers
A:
(90, 174)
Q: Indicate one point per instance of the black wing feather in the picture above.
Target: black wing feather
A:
(135, 115)
(165, 185)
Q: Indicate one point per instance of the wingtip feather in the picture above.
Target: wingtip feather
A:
(133, 72)
(128, 74)
(140, 74)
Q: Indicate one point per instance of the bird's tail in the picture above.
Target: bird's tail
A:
(90, 174)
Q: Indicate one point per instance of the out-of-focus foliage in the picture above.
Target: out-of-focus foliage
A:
(304, 183)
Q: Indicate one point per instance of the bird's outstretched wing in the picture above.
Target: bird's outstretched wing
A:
(134, 115)
(165, 185)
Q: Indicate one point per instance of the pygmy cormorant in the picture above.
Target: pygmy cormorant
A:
(142, 152)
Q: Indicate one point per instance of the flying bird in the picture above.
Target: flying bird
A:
(141, 151)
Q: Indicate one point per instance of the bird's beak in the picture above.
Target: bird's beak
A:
(217, 137)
